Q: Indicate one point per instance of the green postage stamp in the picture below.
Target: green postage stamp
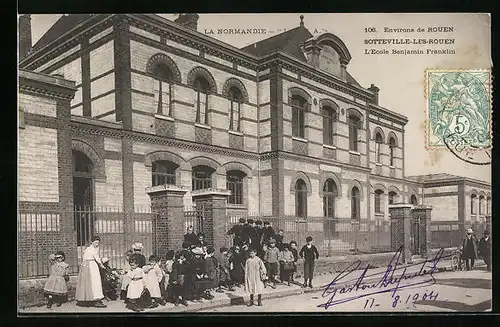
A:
(458, 104)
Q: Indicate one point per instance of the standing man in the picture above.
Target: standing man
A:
(469, 248)
(253, 235)
(190, 237)
(237, 231)
(267, 233)
(485, 249)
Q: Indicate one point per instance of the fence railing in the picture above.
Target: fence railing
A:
(332, 236)
(43, 233)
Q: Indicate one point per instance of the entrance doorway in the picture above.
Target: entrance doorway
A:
(83, 196)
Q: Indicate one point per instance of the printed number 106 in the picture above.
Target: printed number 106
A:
(370, 29)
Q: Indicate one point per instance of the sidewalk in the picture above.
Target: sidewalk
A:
(239, 296)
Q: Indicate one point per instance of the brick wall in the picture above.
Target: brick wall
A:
(37, 164)
(110, 192)
(444, 207)
(102, 59)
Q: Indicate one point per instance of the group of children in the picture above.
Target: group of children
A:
(194, 272)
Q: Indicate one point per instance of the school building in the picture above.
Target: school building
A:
(112, 105)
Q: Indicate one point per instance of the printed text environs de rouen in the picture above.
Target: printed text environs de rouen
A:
(430, 40)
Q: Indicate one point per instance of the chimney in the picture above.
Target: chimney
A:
(374, 90)
(24, 35)
(188, 20)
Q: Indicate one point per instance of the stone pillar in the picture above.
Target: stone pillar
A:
(401, 229)
(423, 213)
(215, 216)
(168, 212)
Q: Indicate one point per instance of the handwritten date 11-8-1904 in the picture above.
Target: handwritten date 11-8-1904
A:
(395, 278)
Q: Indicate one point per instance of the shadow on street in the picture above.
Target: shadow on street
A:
(466, 282)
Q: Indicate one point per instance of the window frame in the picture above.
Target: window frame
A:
(205, 182)
(237, 197)
(202, 89)
(169, 176)
(329, 119)
(355, 203)
(378, 201)
(392, 146)
(473, 210)
(163, 74)
(301, 194)
(235, 99)
(329, 198)
(354, 122)
(299, 107)
(378, 144)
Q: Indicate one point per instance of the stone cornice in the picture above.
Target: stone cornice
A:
(387, 114)
(45, 85)
(449, 181)
(177, 33)
(286, 61)
(68, 40)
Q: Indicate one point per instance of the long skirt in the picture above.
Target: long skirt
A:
(89, 286)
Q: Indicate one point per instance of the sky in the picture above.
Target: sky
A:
(399, 77)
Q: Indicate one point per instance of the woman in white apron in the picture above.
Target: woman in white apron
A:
(89, 286)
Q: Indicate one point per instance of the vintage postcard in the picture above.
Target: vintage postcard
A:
(254, 163)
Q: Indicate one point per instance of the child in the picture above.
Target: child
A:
(271, 260)
(199, 276)
(125, 279)
(55, 288)
(224, 271)
(176, 284)
(238, 270)
(136, 286)
(167, 267)
(154, 275)
(255, 274)
(287, 263)
(211, 269)
(309, 253)
(293, 249)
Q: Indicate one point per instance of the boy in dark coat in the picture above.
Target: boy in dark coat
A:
(295, 252)
(176, 291)
(484, 249)
(211, 270)
(238, 232)
(267, 232)
(310, 254)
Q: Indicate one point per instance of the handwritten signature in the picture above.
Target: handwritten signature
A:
(389, 282)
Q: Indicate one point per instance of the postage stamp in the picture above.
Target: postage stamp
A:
(458, 104)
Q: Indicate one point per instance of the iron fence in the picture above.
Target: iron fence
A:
(41, 233)
(332, 236)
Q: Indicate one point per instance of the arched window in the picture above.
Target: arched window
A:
(481, 203)
(488, 205)
(392, 196)
(82, 164)
(234, 183)
(163, 172)
(392, 146)
(354, 125)
(378, 201)
(378, 145)
(202, 177)
(163, 88)
(301, 198)
(235, 101)
(329, 194)
(413, 199)
(201, 87)
(355, 203)
(329, 118)
(299, 106)
(473, 198)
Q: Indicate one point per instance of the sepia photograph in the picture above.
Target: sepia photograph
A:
(251, 163)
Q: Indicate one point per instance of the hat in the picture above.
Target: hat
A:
(486, 232)
(197, 250)
(137, 246)
(241, 220)
(309, 239)
(104, 260)
(267, 223)
(250, 221)
(258, 222)
(469, 230)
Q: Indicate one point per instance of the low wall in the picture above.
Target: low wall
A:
(31, 290)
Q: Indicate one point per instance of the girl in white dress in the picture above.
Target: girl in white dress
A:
(154, 276)
(89, 286)
(136, 286)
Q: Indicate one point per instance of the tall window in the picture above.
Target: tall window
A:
(201, 87)
(488, 204)
(163, 89)
(378, 201)
(163, 172)
(413, 199)
(355, 203)
(378, 144)
(202, 177)
(473, 198)
(329, 194)
(300, 199)
(299, 106)
(234, 183)
(354, 124)
(329, 117)
(235, 99)
(481, 203)
(392, 146)
(392, 196)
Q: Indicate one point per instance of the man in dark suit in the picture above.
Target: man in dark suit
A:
(484, 249)
(238, 232)
(469, 248)
(190, 236)
(253, 235)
